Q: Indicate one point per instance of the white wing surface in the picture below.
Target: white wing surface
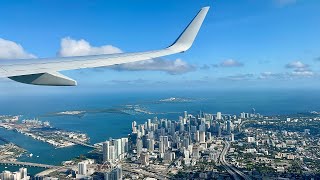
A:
(45, 71)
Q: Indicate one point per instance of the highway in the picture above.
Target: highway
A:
(157, 175)
(234, 172)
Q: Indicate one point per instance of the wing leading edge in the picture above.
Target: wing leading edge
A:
(45, 71)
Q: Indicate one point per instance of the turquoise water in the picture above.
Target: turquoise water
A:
(101, 126)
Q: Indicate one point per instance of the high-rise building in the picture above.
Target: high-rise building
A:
(208, 136)
(202, 126)
(161, 147)
(219, 117)
(117, 148)
(112, 154)
(24, 173)
(82, 168)
(202, 136)
(134, 126)
(232, 137)
(229, 126)
(125, 146)
(242, 115)
(185, 114)
(195, 152)
(144, 159)
(165, 141)
(197, 136)
(149, 124)
(169, 156)
(5, 175)
(218, 129)
(105, 151)
(139, 146)
(186, 142)
(181, 127)
(150, 145)
(19, 175)
(115, 174)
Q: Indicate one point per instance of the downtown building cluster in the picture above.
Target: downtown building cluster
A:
(19, 175)
(166, 140)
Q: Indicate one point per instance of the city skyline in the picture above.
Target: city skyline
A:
(203, 145)
(248, 44)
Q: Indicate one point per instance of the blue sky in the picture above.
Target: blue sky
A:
(243, 44)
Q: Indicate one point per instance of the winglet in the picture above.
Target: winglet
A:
(185, 40)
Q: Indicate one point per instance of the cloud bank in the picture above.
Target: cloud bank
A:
(229, 63)
(177, 66)
(12, 50)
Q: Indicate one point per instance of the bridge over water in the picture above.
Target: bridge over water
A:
(29, 164)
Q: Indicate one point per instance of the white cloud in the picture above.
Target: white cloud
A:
(282, 3)
(177, 66)
(72, 47)
(12, 50)
(231, 63)
(303, 73)
(239, 77)
(297, 65)
(288, 75)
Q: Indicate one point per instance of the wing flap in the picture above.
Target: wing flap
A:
(45, 79)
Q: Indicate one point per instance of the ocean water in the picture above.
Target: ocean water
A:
(102, 126)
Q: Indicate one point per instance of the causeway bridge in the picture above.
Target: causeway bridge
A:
(18, 163)
(79, 143)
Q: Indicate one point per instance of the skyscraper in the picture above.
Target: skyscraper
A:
(197, 136)
(82, 168)
(150, 145)
(232, 137)
(165, 141)
(139, 147)
(185, 114)
(111, 154)
(228, 126)
(105, 150)
(125, 146)
(242, 115)
(161, 147)
(202, 136)
(23, 172)
(133, 126)
(219, 117)
(149, 124)
(117, 147)
(144, 159)
(115, 174)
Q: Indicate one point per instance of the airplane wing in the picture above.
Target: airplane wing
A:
(45, 71)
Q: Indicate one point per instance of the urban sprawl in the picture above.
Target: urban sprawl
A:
(201, 146)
